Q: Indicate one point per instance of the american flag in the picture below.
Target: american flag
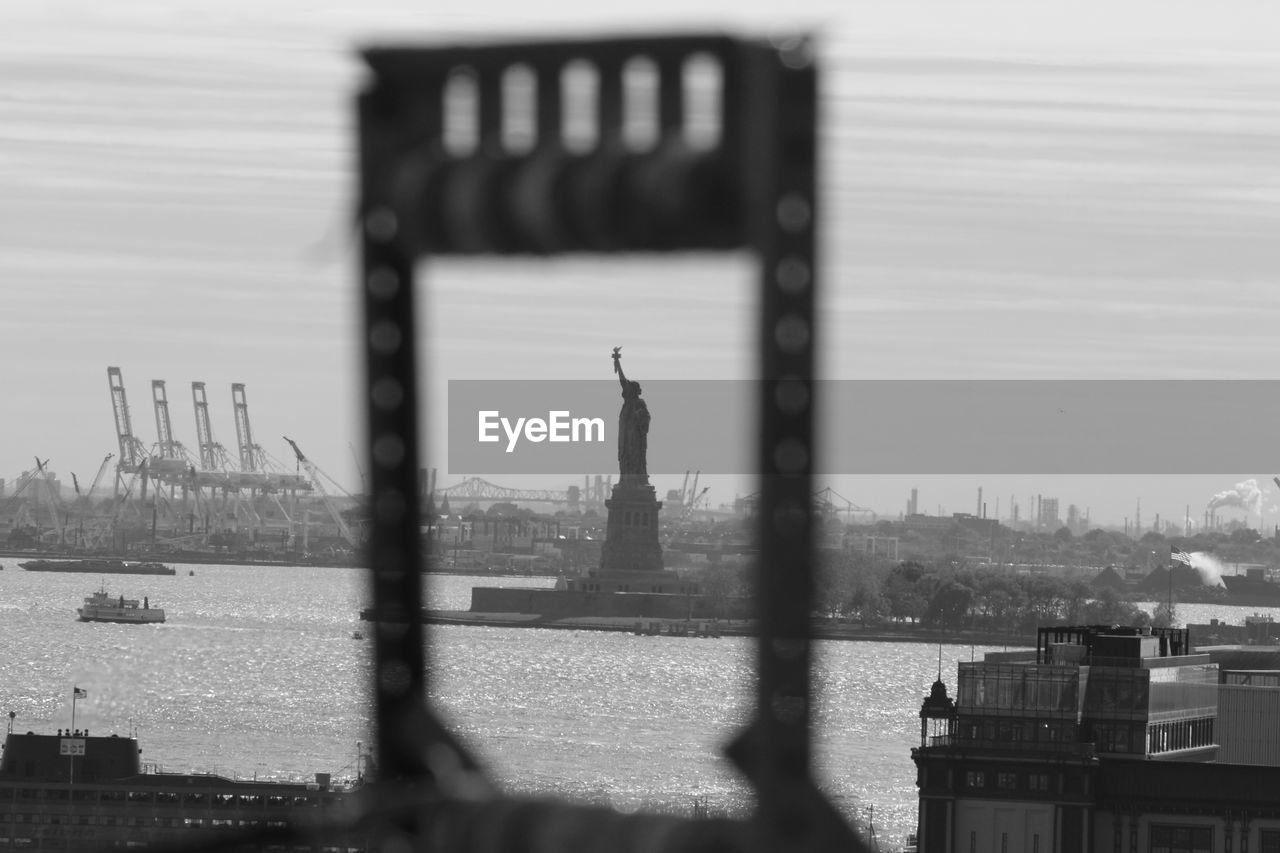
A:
(1179, 556)
(80, 694)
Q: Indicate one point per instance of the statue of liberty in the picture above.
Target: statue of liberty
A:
(633, 428)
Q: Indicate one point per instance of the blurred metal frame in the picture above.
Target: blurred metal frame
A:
(767, 151)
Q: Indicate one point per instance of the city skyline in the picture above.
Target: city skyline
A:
(1008, 193)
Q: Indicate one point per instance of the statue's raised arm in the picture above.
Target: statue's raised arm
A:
(633, 428)
(617, 366)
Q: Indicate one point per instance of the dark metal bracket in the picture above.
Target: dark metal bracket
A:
(433, 184)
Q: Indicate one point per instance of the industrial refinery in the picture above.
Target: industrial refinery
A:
(178, 501)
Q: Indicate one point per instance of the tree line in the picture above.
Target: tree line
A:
(962, 597)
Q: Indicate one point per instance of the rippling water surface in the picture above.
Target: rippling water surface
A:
(255, 673)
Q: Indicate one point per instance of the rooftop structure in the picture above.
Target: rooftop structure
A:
(1078, 745)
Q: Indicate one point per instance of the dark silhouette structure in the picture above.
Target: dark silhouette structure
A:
(752, 188)
(633, 428)
(631, 544)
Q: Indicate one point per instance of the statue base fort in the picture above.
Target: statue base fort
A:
(631, 537)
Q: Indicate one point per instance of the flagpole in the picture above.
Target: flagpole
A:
(71, 758)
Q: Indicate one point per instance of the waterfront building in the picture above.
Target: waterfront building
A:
(1101, 739)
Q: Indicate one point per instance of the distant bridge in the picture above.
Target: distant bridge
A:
(475, 488)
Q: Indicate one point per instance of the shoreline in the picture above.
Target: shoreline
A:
(820, 630)
(189, 559)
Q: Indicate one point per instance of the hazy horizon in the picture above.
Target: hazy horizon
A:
(1009, 192)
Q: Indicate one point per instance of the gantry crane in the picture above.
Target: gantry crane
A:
(133, 453)
(250, 453)
(170, 464)
(169, 447)
(316, 479)
(213, 456)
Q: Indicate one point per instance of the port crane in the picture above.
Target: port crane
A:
(213, 456)
(827, 501)
(316, 474)
(133, 453)
(251, 454)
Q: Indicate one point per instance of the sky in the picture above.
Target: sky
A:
(1010, 190)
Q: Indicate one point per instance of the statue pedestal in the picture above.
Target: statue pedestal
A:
(631, 539)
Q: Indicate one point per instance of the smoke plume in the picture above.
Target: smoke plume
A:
(1209, 567)
(1245, 495)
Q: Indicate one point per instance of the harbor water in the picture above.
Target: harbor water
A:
(256, 673)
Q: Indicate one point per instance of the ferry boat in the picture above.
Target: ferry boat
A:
(71, 791)
(104, 567)
(102, 607)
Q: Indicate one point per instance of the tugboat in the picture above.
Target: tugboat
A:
(102, 607)
(74, 791)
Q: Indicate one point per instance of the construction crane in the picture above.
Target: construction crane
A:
(24, 480)
(84, 501)
(52, 501)
(316, 476)
(102, 469)
(693, 504)
(364, 483)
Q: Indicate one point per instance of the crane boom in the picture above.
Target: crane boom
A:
(315, 474)
(51, 500)
(102, 469)
(132, 451)
(164, 426)
(213, 456)
(244, 435)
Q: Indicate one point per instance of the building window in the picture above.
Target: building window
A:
(1181, 839)
(1007, 781)
(975, 779)
(1038, 781)
(973, 842)
(1269, 841)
